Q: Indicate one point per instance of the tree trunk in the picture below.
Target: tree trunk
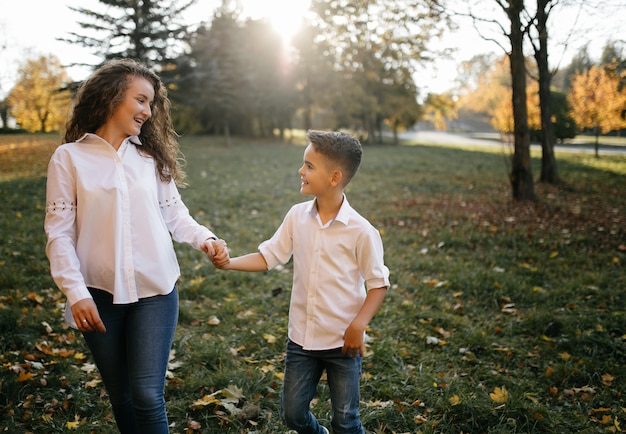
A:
(549, 172)
(521, 171)
(371, 130)
(227, 132)
(4, 113)
(308, 106)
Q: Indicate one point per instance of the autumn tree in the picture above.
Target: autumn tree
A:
(471, 73)
(376, 42)
(492, 96)
(401, 109)
(37, 101)
(514, 15)
(598, 101)
(439, 109)
(146, 30)
(580, 63)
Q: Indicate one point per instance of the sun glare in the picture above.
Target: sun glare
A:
(285, 15)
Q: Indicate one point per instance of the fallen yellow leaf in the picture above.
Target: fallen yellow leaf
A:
(499, 395)
(24, 376)
(73, 424)
(206, 400)
(454, 400)
(607, 380)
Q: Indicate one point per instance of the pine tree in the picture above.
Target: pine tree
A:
(145, 30)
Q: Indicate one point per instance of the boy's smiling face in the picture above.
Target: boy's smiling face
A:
(316, 173)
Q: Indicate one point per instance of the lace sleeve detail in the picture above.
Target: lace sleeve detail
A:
(170, 202)
(60, 205)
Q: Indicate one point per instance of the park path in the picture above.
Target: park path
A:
(493, 140)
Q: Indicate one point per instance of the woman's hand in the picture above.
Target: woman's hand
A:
(86, 315)
(217, 252)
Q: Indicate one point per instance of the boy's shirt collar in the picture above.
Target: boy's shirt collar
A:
(343, 215)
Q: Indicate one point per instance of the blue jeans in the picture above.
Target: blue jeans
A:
(132, 358)
(303, 370)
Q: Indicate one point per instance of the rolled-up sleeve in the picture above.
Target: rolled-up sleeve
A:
(278, 249)
(370, 256)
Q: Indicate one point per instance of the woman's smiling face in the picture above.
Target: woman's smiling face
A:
(135, 109)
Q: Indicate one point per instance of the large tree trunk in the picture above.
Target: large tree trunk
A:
(521, 171)
(549, 172)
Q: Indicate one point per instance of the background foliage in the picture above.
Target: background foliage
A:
(503, 317)
(352, 65)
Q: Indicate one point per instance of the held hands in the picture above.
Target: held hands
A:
(217, 252)
(86, 315)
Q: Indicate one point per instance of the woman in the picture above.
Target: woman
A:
(112, 210)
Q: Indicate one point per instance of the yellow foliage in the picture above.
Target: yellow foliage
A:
(597, 100)
(38, 101)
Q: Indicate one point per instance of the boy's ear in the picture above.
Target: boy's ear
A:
(337, 177)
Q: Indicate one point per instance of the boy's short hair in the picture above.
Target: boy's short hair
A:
(339, 147)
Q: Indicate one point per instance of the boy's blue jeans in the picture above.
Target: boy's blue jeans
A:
(303, 370)
(132, 358)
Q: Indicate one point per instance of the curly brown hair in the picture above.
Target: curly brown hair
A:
(99, 96)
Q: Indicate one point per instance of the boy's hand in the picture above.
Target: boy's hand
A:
(353, 343)
(353, 338)
(217, 252)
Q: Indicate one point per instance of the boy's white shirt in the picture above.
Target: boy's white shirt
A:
(334, 264)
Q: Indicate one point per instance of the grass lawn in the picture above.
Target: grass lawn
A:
(502, 317)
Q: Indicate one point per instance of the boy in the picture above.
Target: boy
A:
(337, 254)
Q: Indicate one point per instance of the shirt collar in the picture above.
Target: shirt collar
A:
(343, 215)
(91, 138)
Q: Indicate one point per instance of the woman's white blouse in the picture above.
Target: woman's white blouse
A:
(108, 222)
